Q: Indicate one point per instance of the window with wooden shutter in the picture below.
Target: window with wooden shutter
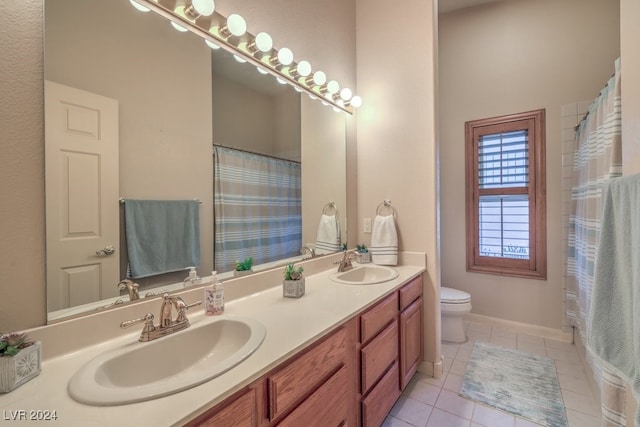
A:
(506, 208)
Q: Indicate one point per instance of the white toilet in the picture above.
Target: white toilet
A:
(454, 304)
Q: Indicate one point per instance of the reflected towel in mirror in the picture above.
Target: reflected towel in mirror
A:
(328, 237)
(162, 236)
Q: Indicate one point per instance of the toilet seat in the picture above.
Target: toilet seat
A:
(453, 296)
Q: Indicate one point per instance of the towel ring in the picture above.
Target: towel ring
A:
(328, 207)
(386, 204)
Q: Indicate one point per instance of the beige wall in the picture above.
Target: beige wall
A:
(21, 166)
(325, 36)
(323, 134)
(397, 149)
(503, 58)
(630, 75)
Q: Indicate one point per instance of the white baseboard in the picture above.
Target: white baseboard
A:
(542, 331)
(433, 369)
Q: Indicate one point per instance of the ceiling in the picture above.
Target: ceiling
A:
(445, 6)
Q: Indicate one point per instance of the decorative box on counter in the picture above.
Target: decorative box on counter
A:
(19, 368)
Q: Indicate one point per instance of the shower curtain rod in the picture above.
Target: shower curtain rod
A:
(256, 153)
(575, 129)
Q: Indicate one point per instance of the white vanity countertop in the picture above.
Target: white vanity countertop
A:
(291, 325)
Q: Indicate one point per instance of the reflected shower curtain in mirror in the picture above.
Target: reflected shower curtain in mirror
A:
(257, 207)
(597, 158)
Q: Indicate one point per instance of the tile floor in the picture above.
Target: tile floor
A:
(427, 402)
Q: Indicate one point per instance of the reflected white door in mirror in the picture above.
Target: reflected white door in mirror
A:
(81, 130)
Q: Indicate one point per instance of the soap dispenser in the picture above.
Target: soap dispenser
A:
(193, 278)
(214, 296)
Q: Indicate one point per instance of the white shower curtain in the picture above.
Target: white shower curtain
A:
(597, 158)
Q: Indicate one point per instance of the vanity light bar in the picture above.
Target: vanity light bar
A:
(217, 30)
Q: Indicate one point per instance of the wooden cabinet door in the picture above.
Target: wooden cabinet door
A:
(241, 412)
(411, 339)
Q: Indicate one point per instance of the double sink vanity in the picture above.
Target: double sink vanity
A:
(341, 354)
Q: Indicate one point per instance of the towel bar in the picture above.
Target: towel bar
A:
(122, 200)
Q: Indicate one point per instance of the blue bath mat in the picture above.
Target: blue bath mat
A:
(517, 382)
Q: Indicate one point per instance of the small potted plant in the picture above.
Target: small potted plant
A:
(243, 267)
(293, 283)
(20, 360)
(362, 254)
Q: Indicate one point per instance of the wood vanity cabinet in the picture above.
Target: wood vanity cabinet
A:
(353, 376)
(391, 348)
(411, 329)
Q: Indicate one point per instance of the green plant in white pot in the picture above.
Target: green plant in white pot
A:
(362, 254)
(20, 360)
(243, 267)
(293, 283)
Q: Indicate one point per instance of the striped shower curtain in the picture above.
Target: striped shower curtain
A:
(257, 208)
(597, 158)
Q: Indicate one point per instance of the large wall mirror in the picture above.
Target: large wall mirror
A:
(163, 98)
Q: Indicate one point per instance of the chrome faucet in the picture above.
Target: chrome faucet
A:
(131, 287)
(345, 264)
(307, 248)
(167, 325)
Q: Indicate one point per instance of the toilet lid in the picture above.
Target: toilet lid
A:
(453, 296)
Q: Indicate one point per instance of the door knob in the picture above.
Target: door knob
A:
(106, 251)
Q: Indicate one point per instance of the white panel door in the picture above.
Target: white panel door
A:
(82, 191)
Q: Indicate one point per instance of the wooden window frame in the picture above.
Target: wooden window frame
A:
(536, 266)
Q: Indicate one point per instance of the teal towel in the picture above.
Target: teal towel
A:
(613, 333)
(162, 235)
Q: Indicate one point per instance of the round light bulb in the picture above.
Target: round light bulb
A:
(356, 101)
(285, 56)
(346, 94)
(264, 42)
(204, 7)
(297, 89)
(336, 109)
(138, 6)
(236, 25)
(319, 78)
(211, 44)
(239, 59)
(304, 68)
(178, 27)
(333, 87)
(279, 80)
(262, 70)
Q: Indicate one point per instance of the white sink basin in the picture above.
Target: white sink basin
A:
(367, 274)
(143, 371)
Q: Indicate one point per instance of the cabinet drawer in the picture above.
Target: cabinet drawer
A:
(378, 317)
(327, 407)
(241, 412)
(410, 292)
(301, 376)
(378, 355)
(379, 402)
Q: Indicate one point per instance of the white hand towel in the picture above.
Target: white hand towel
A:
(328, 238)
(384, 241)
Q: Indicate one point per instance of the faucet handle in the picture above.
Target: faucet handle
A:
(182, 309)
(147, 319)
